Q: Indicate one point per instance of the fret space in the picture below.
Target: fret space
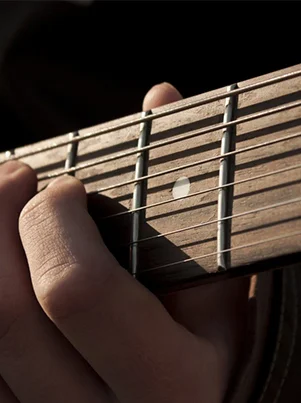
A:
(186, 212)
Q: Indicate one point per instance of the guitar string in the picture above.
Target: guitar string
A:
(197, 257)
(273, 239)
(196, 163)
(206, 223)
(164, 113)
(186, 136)
(174, 110)
(148, 206)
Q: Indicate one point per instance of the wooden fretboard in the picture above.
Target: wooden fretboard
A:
(190, 215)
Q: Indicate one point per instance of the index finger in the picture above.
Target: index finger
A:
(119, 327)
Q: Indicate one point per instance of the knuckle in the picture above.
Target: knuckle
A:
(51, 200)
(34, 210)
(64, 289)
(63, 292)
(41, 201)
(35, 225)
(61, 286)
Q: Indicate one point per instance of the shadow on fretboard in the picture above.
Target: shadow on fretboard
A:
(116, 232)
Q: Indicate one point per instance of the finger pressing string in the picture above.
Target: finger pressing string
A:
(119, 327)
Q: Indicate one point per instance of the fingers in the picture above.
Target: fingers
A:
(159, 95)
(120, 328)
(17, 186)
(36, 362)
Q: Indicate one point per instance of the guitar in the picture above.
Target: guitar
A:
(204, 189)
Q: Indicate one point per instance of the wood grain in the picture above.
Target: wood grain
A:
(184, 213)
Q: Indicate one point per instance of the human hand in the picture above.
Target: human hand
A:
(76, 327)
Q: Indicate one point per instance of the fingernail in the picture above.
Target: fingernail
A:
(10, 167)
(167, 84)
(61, 179)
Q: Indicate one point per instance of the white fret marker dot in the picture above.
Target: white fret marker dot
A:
(181, 187)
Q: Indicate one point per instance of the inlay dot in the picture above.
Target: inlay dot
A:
(181, 187)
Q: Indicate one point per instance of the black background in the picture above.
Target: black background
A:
(68, 66)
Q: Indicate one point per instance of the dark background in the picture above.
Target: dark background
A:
(65, 66)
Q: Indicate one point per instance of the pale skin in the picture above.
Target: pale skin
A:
(76, 327)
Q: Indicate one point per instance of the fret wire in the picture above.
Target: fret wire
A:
(204, 224)
(139, 194)
(223, 197)
(72, 149)
(197, 163)
(291, 168)
(276, 238)
(170, 111)
(162, 143)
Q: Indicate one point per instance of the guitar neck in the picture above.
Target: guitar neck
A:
(216, 184)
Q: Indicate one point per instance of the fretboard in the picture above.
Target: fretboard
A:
(201, 189)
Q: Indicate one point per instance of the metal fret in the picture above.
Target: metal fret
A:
(71, 153)
(225, 193)
(139, 193)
